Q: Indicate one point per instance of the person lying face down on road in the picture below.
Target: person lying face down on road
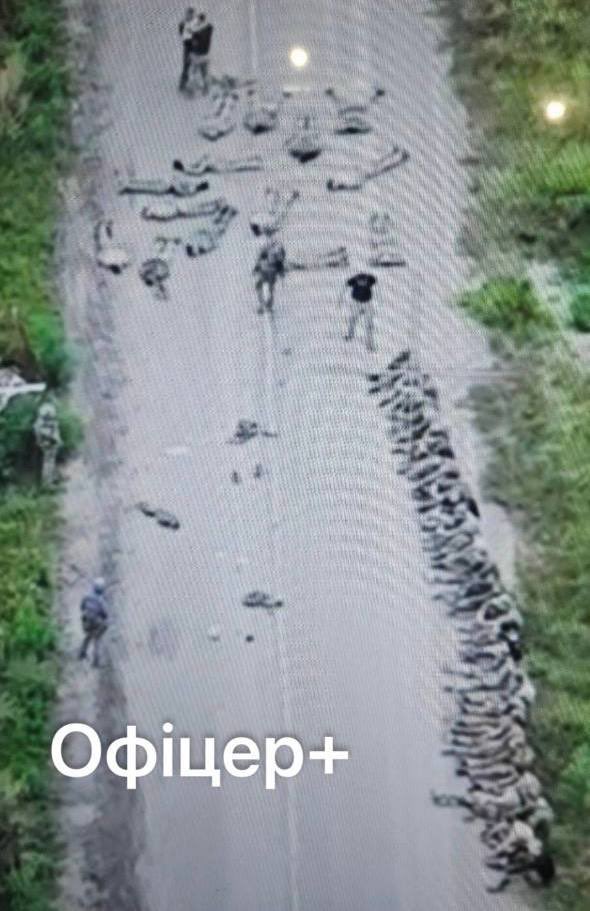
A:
(155, 271)
(517, 799)
(177, 185)
(352, 116)
(272, 216)
(170, 209)
(261, 116)
(209, 231)
(205, 164)
(359, 291)
(305, 143)
(382, 241)
(221, 116)
(109, 255)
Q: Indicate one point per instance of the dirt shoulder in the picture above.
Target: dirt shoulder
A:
(100, 821)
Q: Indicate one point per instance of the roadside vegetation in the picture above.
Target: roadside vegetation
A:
(33, 112)
(531, 202)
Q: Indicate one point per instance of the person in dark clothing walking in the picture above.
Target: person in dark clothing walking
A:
(186, 30)
(94, 617)
(201, 45)
(361, 305)
(196, 33)
(270, 265)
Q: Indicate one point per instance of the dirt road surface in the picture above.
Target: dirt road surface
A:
(357, 649)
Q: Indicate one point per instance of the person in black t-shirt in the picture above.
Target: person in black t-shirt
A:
(361, 305)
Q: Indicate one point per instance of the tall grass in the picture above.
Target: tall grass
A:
(538, 422)
(33, 108)
(27, 686)
(510, 304)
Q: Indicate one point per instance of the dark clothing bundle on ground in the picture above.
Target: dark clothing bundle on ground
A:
(361, 285)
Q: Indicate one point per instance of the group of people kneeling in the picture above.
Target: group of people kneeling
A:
(487, 736)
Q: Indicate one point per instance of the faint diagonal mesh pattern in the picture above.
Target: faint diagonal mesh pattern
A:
(356, 651)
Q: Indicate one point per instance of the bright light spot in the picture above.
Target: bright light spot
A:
(555, 110)
(298, 56)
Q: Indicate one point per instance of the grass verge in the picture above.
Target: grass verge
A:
(33, 112)
(532, 201)
(538, 422)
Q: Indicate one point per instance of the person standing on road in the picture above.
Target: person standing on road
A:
(269, 266)
(186, 30)
(361, 305)
(196, 33)
(201, 45)
(94, 616)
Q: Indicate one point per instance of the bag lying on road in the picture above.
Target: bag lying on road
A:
(261, 599)
(162, 516)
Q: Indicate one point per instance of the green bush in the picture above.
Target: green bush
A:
(509, 304)
(71, 429)
(47, 346)
(580, 311)
(17, 442)
(547, 174)
(13, 99)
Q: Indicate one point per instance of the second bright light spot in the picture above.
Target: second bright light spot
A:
(555, 110)
(298, 57)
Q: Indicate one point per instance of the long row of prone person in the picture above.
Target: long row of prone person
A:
(488, 734)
